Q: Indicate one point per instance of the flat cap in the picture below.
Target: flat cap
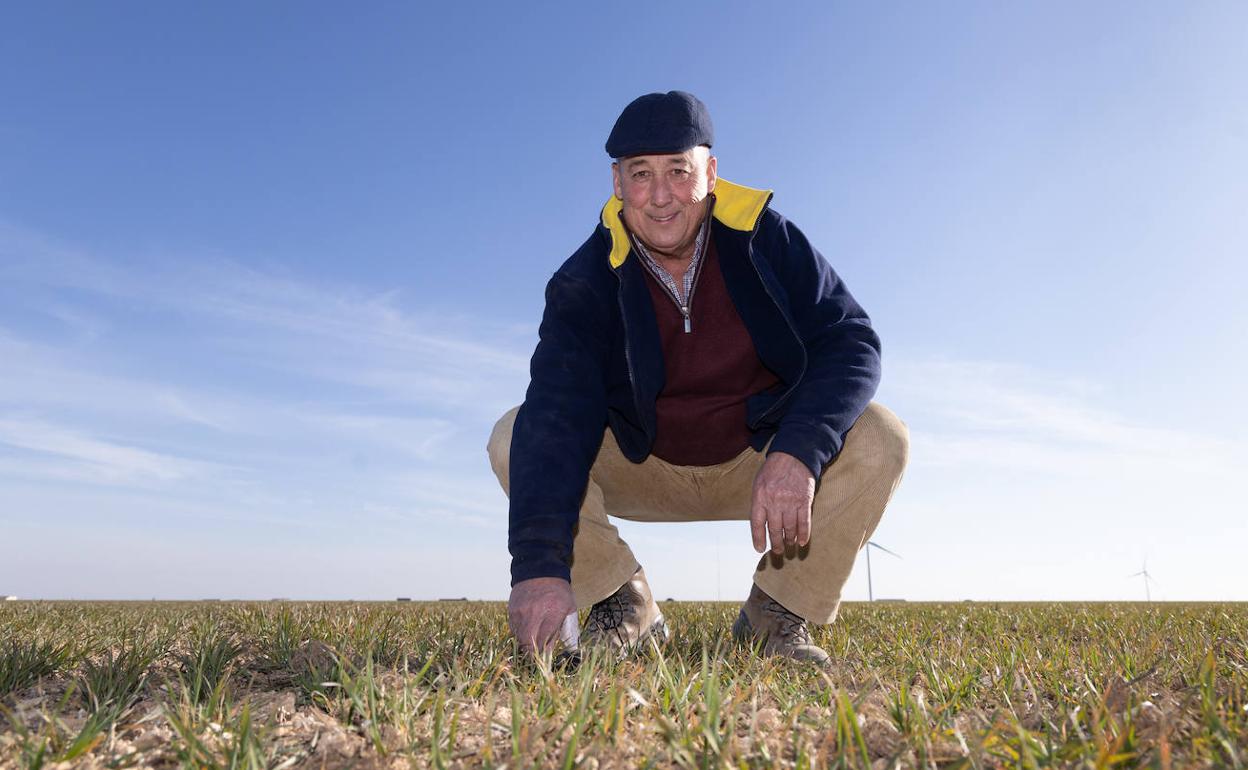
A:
(660, 123)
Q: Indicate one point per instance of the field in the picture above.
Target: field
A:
(292, 684)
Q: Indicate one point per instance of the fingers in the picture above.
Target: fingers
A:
(758, 525)
(777, 524)
(785, 526)
(526, 640)
(775, 531)
(536, 633)
(526, 624)
(790, 517)
(518, 628)
(548, 632)
(525, 632)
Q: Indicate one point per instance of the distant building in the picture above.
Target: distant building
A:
(281, 599)
(459, 599)
(403, 599)
(8, 598)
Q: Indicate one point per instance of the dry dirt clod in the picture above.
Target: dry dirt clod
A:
(275, 707)
(882, 737)
(767, 719)
(314, 655)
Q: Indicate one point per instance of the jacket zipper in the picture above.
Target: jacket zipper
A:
(687, 307)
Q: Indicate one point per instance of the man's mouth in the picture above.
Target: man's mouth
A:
(667, 218)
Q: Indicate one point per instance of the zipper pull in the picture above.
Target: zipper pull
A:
(688, 326)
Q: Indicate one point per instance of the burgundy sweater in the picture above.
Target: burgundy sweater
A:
(710, 372)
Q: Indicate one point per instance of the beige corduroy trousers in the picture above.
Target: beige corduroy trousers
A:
(849, 502)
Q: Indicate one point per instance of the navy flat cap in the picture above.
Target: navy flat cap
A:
(660, 123)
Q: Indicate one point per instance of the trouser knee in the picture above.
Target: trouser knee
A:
(890, 439)
(876, 448)
(499, 445)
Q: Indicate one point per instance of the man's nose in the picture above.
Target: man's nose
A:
(661, 193)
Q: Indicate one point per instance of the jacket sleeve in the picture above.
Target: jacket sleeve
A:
(842, 351)
(558, 430)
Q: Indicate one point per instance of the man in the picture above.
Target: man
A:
(698, 359)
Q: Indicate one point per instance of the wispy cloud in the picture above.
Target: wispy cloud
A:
(93, 458)
(343, 335)
(266, 395)
(991, 415)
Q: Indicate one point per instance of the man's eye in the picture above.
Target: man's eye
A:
(680, 172)
(640, 174)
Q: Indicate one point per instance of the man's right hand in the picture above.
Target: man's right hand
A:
(536, 611)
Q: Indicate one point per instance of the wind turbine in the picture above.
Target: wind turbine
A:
(1147, 579)
(870, 545)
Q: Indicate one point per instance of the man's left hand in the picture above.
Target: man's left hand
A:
(780, 511)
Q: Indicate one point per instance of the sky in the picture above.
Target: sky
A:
(269, 274)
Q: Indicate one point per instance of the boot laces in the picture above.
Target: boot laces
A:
(790, 626)
(607, 615)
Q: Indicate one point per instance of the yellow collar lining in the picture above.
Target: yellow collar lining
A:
(737, 206)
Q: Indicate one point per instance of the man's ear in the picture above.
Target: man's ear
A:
(615, 181)
(712, 173)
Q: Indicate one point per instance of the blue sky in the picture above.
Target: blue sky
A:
(269, 274)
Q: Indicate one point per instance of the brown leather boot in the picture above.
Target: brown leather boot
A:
(626, 618)
(782, 632)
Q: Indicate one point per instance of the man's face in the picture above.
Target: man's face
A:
(665, 197)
